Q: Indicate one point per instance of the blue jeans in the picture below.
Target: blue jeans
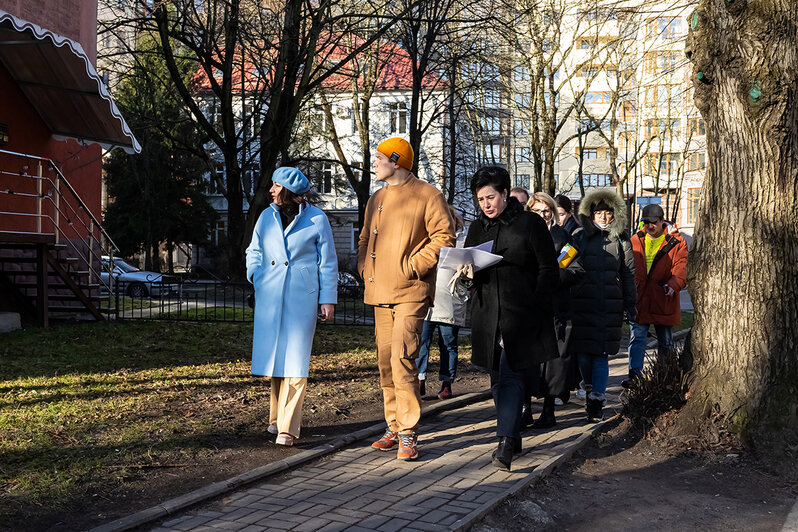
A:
(595, 372)
(637, 343)
(447, 344)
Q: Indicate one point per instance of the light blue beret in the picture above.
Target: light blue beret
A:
(292, 179)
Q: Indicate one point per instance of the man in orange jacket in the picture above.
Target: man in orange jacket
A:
(660, 274)
(406, 224)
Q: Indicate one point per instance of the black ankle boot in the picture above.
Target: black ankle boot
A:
(502, 457)
(546, 420)
(526, 414)
(593, 408)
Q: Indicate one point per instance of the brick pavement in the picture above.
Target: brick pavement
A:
(452, 484)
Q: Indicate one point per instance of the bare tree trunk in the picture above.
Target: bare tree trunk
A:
(742, 269)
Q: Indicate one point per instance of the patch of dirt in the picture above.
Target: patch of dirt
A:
(333, 407)
(623, 482)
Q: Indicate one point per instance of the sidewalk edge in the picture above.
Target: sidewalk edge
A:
(216, 489)
(568, 449)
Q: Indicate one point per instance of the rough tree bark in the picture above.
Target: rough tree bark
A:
(742, 270)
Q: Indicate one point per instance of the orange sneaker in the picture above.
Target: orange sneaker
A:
(408, 450)
(388, 441)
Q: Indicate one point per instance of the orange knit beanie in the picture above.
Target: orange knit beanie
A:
(397, 150)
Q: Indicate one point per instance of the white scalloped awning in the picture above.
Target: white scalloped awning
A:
(58, 79)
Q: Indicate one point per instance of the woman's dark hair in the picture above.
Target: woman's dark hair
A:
(564, 202)
(491, 176)
(290, 202)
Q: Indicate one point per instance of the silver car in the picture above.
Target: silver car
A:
(137, 283)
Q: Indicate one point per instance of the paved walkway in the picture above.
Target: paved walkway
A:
(450, 486)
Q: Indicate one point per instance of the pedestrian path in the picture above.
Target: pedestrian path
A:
(451, 485)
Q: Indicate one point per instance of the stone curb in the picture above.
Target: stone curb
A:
(219, 488)
(544, 469)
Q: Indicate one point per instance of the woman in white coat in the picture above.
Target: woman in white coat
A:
(291, 262)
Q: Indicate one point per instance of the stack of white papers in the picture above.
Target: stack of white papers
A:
(478, 256)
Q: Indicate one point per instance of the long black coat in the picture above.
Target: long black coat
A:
(561, 375)
(513, 298)
(607, 288)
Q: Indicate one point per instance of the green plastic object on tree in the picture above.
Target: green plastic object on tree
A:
(694, 21)
(700, 75)
(756, 91)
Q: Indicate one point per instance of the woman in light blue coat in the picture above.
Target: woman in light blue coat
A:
(291, 262)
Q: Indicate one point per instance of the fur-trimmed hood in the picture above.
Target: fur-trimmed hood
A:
(595, 196)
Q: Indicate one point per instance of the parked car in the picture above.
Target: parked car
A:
(135, 282)
(349, 285)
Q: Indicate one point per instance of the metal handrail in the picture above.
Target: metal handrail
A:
(89, 227)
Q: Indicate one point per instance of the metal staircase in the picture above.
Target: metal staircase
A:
(50, 244)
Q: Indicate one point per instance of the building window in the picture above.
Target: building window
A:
(521, 127)
(662, 62)
(596, 180)
(523, 100)
(589, 153)
(664, 129)
(523, 154)
(662, 162)
(586, 44)
(693, 195)
(521, 73)
(598, 97)
(628, 111)
(494, 151)
(326, 182)
(398, 118)
(697, 128)
(664, 27)
(492, 125)
(492, 99)
(251, 175)
(355, 237)
(217, 175)
(663, 94)
(522, 180)
(696, 161)
(218, 232)
(589, 72)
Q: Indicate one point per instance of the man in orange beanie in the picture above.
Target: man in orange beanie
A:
(406, 224)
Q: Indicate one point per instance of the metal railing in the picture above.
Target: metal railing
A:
(59, 212)
(184, 298)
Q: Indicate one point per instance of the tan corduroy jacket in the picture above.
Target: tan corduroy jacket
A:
(404, 229)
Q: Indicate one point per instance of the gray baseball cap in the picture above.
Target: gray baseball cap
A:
(652, 212)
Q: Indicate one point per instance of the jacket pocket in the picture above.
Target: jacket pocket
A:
(412, 336)
(311, 284)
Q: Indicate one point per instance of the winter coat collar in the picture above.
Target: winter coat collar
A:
(510, 213)
(609, 196)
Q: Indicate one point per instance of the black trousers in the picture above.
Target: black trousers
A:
(509, 390)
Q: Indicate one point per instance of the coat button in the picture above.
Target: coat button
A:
(373, 256)
(286, 263)
(371, 279)
(272, 263)
(375, 231)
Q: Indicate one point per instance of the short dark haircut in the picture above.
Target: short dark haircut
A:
(564, 202)
(491, 176)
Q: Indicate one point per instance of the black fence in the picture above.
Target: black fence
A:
(186, 299)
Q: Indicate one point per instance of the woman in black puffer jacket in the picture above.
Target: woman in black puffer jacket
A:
(606, 290)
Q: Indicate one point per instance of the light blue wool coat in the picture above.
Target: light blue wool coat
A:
(293, 271)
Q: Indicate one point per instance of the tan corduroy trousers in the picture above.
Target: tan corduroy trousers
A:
(285, 410)
(398, 332)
